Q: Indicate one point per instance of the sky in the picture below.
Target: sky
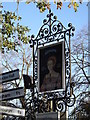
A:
(32, 18)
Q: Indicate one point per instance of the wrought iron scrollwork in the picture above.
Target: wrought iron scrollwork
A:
(52, 31)
(70, 101)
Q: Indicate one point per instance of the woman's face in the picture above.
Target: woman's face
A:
(50, 65)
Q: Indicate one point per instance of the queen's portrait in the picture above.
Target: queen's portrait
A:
(52, 80)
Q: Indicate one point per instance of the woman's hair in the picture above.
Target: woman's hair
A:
(53, 58)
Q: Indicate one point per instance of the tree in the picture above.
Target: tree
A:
(82, 111)
(12, 31)
(21, 60)
(81, 78)
(42, 5)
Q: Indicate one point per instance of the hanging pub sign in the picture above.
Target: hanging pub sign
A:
(12, 111)
(51, 70)
(9, 76)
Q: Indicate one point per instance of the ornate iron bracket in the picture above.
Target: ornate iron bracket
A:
(52, 31)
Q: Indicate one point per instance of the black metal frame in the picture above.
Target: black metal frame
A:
(52, 31)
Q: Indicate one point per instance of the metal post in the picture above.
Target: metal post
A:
(58, 115)
(33, 62)
(70, 61)
(50, 21)
(51, 104)
(33, 82)
(66, 112)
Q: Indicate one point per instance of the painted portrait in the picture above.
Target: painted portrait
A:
(50, 68)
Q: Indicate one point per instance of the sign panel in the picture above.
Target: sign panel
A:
(47, 116)
(9, 76)
(51, 69)
(12, 94)
(12, 111)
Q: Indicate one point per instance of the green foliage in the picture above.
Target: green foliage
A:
(42, 5)
(12, 31)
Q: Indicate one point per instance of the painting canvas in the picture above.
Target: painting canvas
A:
(50, 67)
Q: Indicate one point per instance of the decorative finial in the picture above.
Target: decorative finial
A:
(49, 10)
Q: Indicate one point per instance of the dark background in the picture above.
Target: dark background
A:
(45, 53)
